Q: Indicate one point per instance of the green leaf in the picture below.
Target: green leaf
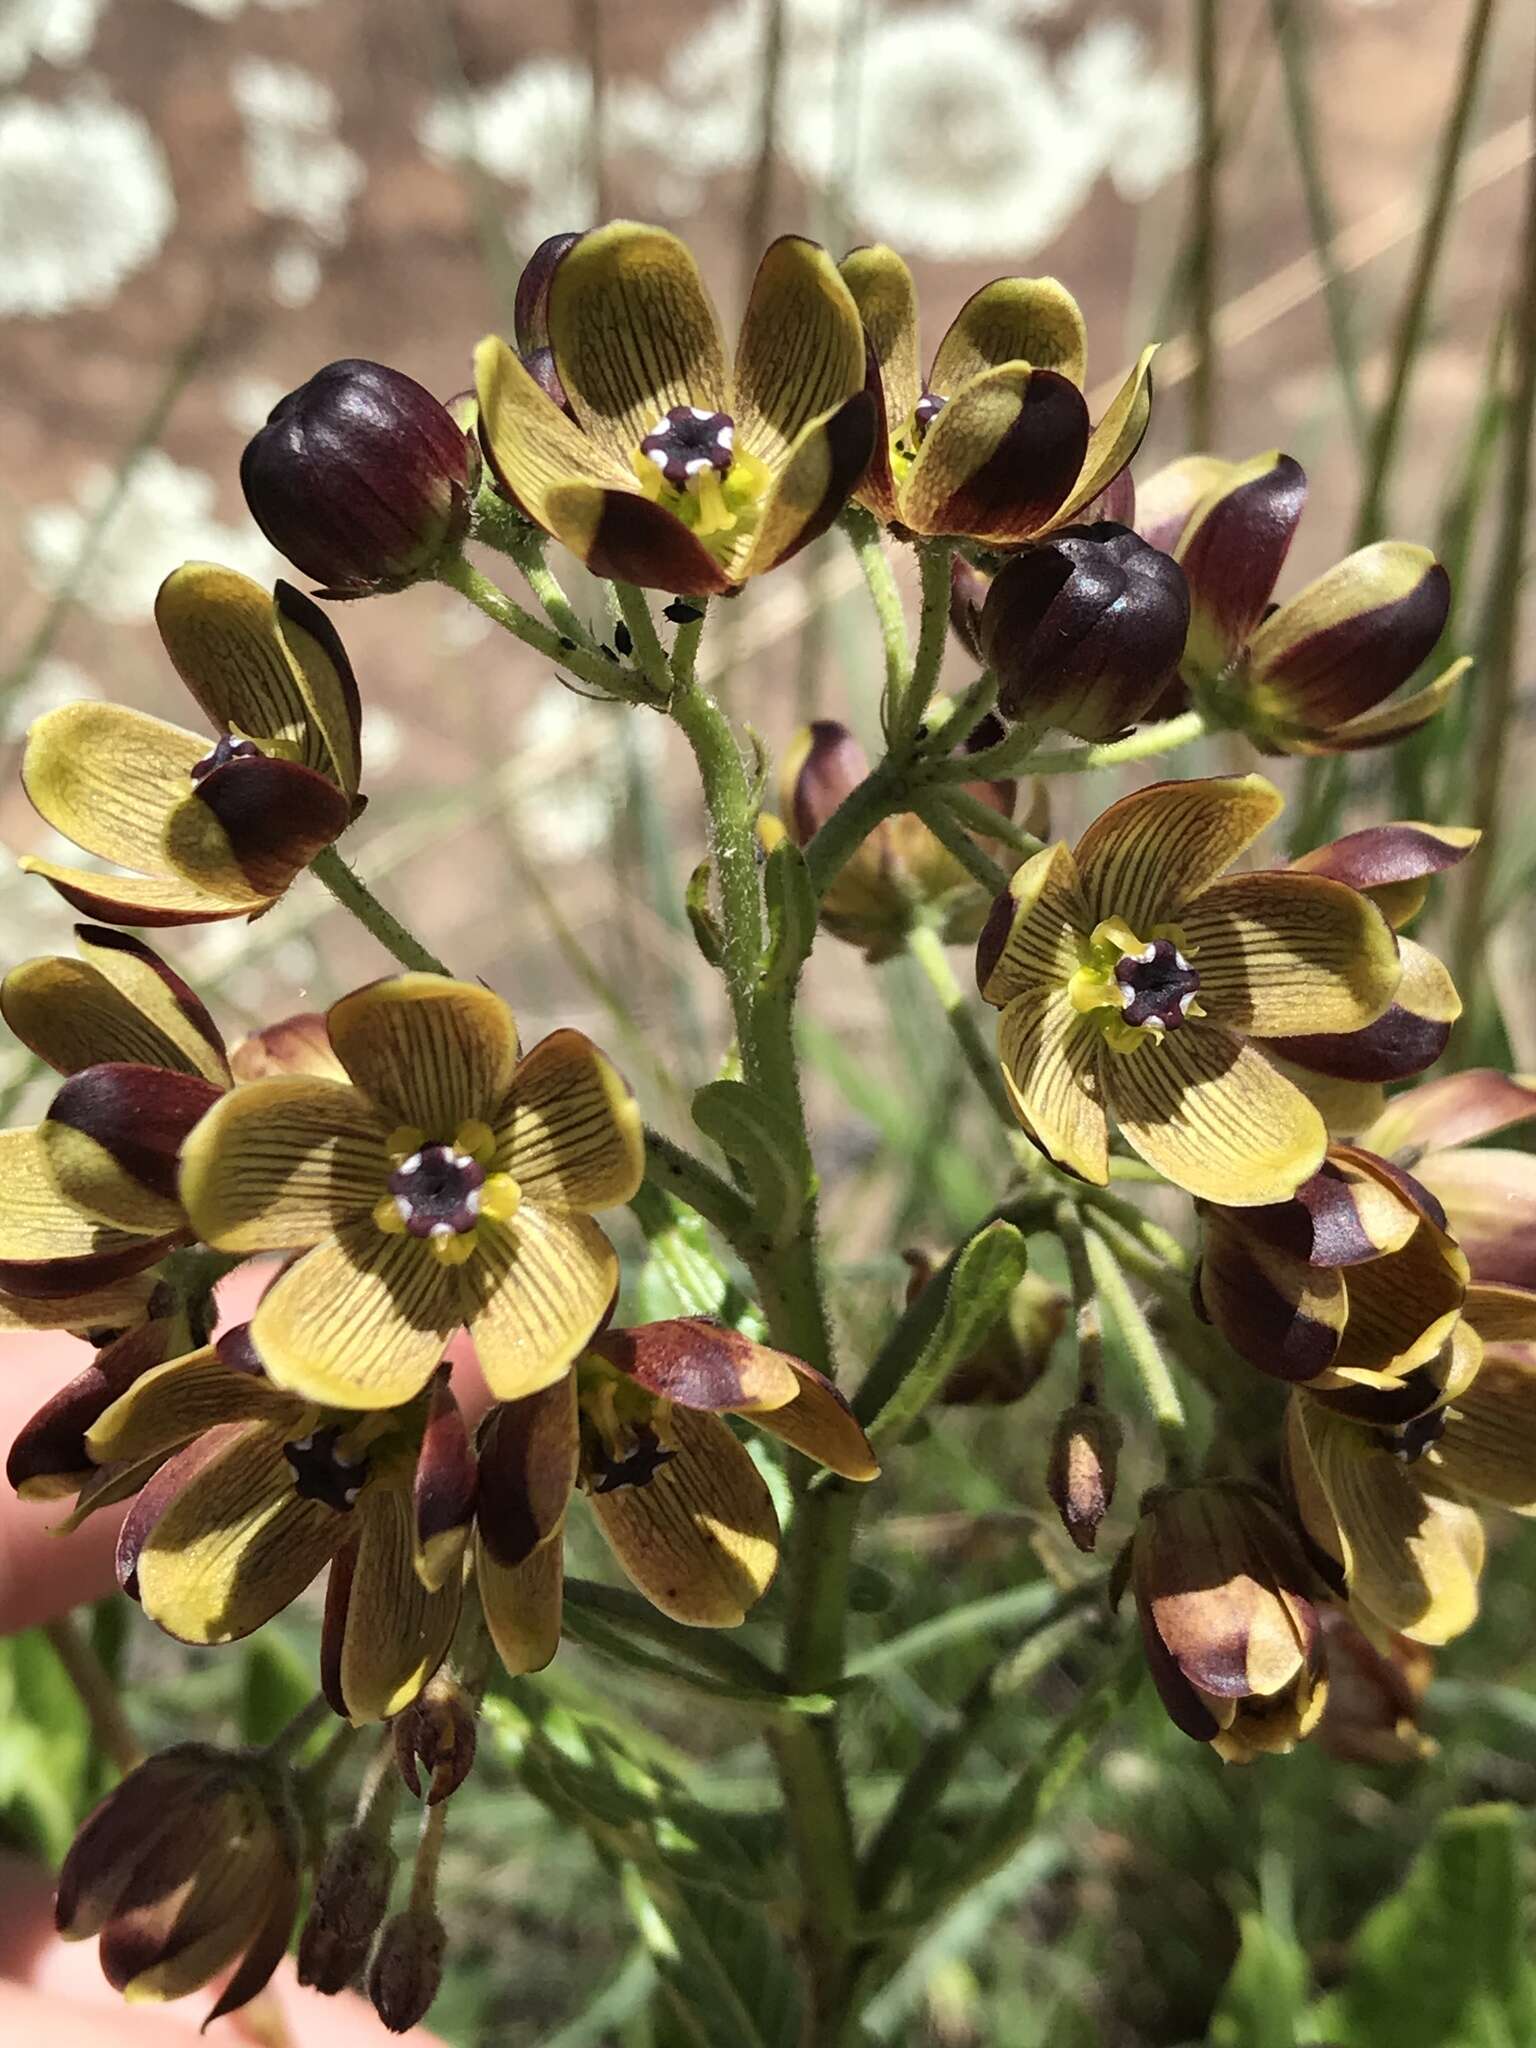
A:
(791, 905)
(974, 1294)
(725, 1973)
(275, 1682)
(765, 1144)
(683, 1275)
(1441, 1964)
(45, 1746)
(1264, 1999)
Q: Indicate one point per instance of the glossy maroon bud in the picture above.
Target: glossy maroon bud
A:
(1086, 631)
(361, 478)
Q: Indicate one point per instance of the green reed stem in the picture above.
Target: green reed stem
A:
(951, 834)
(609, 678)
(927, 949)
(353, 894)
(864, 535)
(933, 558)
(1204, 229)
(110, 1727)
(1157, 1381)
(1164, 738)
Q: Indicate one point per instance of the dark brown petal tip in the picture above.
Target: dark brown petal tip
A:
(141, 1115)
(1233, 558)
(701, 1364)
(528, 1453)
(1397, 1046)
(635, 541)
(276, 815)
(447, 1478)
(530, 312)
(49, 1456)
(1030, 472)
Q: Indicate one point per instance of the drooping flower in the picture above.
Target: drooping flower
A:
(246, 1491)
(1310, 676)
(1375, 1694)
(88, 1196)
(1388, 1481)
(1489, 1192)
(1224, 1597)
(361, 478)
(996, 445)
(190, 1865)
(638, 1428)
(668, 470)
(1134, 975)
(217, 830)
(448, 1183)
(901, 871)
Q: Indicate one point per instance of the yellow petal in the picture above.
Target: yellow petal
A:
(277, 1164)
(432, 1053)
(1213, 1116)
(1000, 459)
(147, 901)
(221, 631)
(360, 1321)
(801, 351)
(119, 1002)
(122, 1306)
(533, 447)
(1489, 1446)
(700, 1539)
(36, 1222)
(396, 1633)
(1147, 855)
(533, 1294)
(1403, 1308)
(1032, 320)
(1282, 952)
(1052, 1060)
(633, 333)
(1114, 441)
(1387, 722)
(819, 1422)
(90, 1179)
(886, 298)
(523, 1602)
(818, 472)
(573, 1135)
(175, 1402)
(108, 778)
(1410, 1561)
(1031, 939)
(235, 1545)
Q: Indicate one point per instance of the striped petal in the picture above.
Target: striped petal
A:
(1404, 1307)
(360, 1321)
(1279, 952)
(1113, 442)
(1410, 1561)
(1032, 320)
(1214, 1117)
(1146, 856)
(819, 473)
(572, 1134)
(1350, 638)
(801, 351)
(109, 778)
(111, 1139)
(523, 1603)
(633, 333)
(49, 1249)
(1052, 1068)
(1488, 1449)
(122, 1306)
(393, 1632)
(1490, 1202)
(1031, 939)
(236, 1544)
(276, 1165)
(175, 1402)
(1408, 1037)
(819, 1422)
(1000, 458)
(700, 1539)
(533, 1294)
(1278, 1311)
(432, 1053)
(530, 444)
(119, 1001)
(1232, 549)
(886, 298)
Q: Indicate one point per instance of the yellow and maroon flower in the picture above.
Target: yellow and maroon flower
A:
(1134, 975)
(901, 870)
(246, 1491)
(1388, 1487)
(1312, 675)
(187, 1867)
(996, 445)
(206, 829)
(638, 1428)
(1223, 1594)
(88, 1197)
(448, 1183)
(1354, 1283)
(1489, 1192)
(1375, 1694)
(665, 468)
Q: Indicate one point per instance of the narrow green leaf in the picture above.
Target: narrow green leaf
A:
(975, 1296)
(766, 1146)
(791, 905)
(1263, 2000)
(725, 1973)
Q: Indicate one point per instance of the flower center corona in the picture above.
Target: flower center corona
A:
(1137, 990)
(621, 1442)
(906, 441)
(442, 1193)
(322, 1472)
(226, 749)
(689, 463)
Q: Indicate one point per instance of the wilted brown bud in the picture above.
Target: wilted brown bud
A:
(1085, 631)
(1010, 1359)
(296, 1045)
(437, 1733)
(407, 1968)
(190, 1865)
(361, 478)
(351, 1899)
(1374, 1695)
(1080, 1476)
(1231, 1636)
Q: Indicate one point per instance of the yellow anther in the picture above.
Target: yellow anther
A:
(499, 1198)
(452, 1248)
(475, 1140)
(403, 1143)
(388, 1217)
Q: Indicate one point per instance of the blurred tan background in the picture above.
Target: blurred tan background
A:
(201, 201)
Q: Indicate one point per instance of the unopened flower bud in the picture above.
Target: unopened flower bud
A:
(1085, 631)
(436, 1733)
(361, 478)
(351, 1899)
(407, 1968)
(1080, 1476)
(1374, 1694)
(297, 1045)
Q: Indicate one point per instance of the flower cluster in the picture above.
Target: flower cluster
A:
(447, 1346)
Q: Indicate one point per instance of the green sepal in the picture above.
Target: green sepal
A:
(706, 930)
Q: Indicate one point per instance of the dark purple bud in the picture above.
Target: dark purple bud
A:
(407, 1968)
(1086, 630)
(361, 478)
